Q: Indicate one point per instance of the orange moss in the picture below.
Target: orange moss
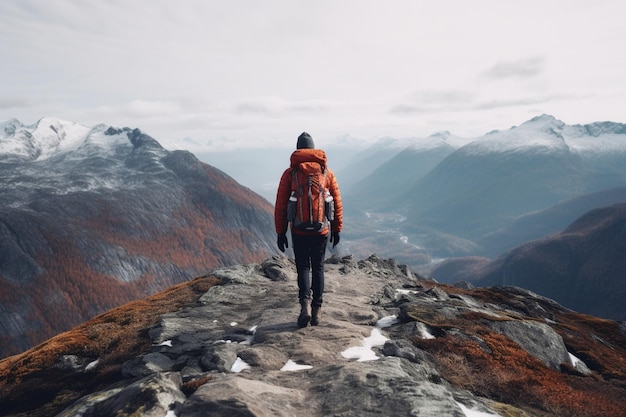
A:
(510, 375)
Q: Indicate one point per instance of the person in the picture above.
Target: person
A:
(309, 247)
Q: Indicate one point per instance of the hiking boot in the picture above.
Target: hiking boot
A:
(315, 317)
(305, 313)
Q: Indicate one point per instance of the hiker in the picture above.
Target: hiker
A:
(308, 201)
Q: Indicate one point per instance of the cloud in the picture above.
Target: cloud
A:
(14, 102)
(524, 68)
(135, 111)
(211, 70)
(428, 101)
(277, 105)
(480, 100)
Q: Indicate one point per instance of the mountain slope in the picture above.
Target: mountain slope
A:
(91, 218)
(551, 220)
(581, 267)
(363, 162)
(389, 343)
(389, 182)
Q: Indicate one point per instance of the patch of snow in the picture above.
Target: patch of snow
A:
(92, 365)
(579, 139)
(58, 136)
(387, 321)
(250, 337)
(365, 353)
(239, 365)
(292, 366)
(171, 413)
(166, 343)
(424, 332)
(473, 413)
(515, 141)
(574, 360)
(405, 292)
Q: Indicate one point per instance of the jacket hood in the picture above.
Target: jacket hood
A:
(308, 155)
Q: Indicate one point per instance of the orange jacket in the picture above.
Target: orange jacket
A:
(284, 191)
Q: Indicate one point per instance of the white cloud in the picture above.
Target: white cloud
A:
(529, 67)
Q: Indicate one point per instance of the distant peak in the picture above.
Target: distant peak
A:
(545, 119)
(601, 128)
(441, 134)
(546, 123)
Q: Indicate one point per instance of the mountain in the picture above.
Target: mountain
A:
(582, 267)
(545, 222)
(390, 181)
(502, 175)
(362, 162)
(484, 196)
(91, 218)
(390, 343)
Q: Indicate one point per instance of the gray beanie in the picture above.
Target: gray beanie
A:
(305, 141)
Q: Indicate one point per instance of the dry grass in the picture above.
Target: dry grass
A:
(30, 384)
(510, 375)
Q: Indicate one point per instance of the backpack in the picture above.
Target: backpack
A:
(310, 207)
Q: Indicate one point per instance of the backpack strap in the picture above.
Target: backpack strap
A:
(295, 186)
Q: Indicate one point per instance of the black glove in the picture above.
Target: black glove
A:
(282, 242)
(334, 238)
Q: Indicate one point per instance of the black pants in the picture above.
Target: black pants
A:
(309, 252)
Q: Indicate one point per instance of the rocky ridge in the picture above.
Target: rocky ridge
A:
(390, 344)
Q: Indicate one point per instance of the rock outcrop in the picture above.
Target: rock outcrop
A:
(389, 344)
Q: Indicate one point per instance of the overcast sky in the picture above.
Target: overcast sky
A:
(213, 72)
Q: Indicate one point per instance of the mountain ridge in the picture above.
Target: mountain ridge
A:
(94, 217)
(389, 342)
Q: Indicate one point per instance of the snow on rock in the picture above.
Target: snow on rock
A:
(579, 365)
(365, 353)
(47, 138)
(473, 413)
(239, 365)
(541, 134)
(292, 366)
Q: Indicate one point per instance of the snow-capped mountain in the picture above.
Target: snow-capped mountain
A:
(502, 175)
(441, 205)
(92, 217)
(60, 157)
(41, 141)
